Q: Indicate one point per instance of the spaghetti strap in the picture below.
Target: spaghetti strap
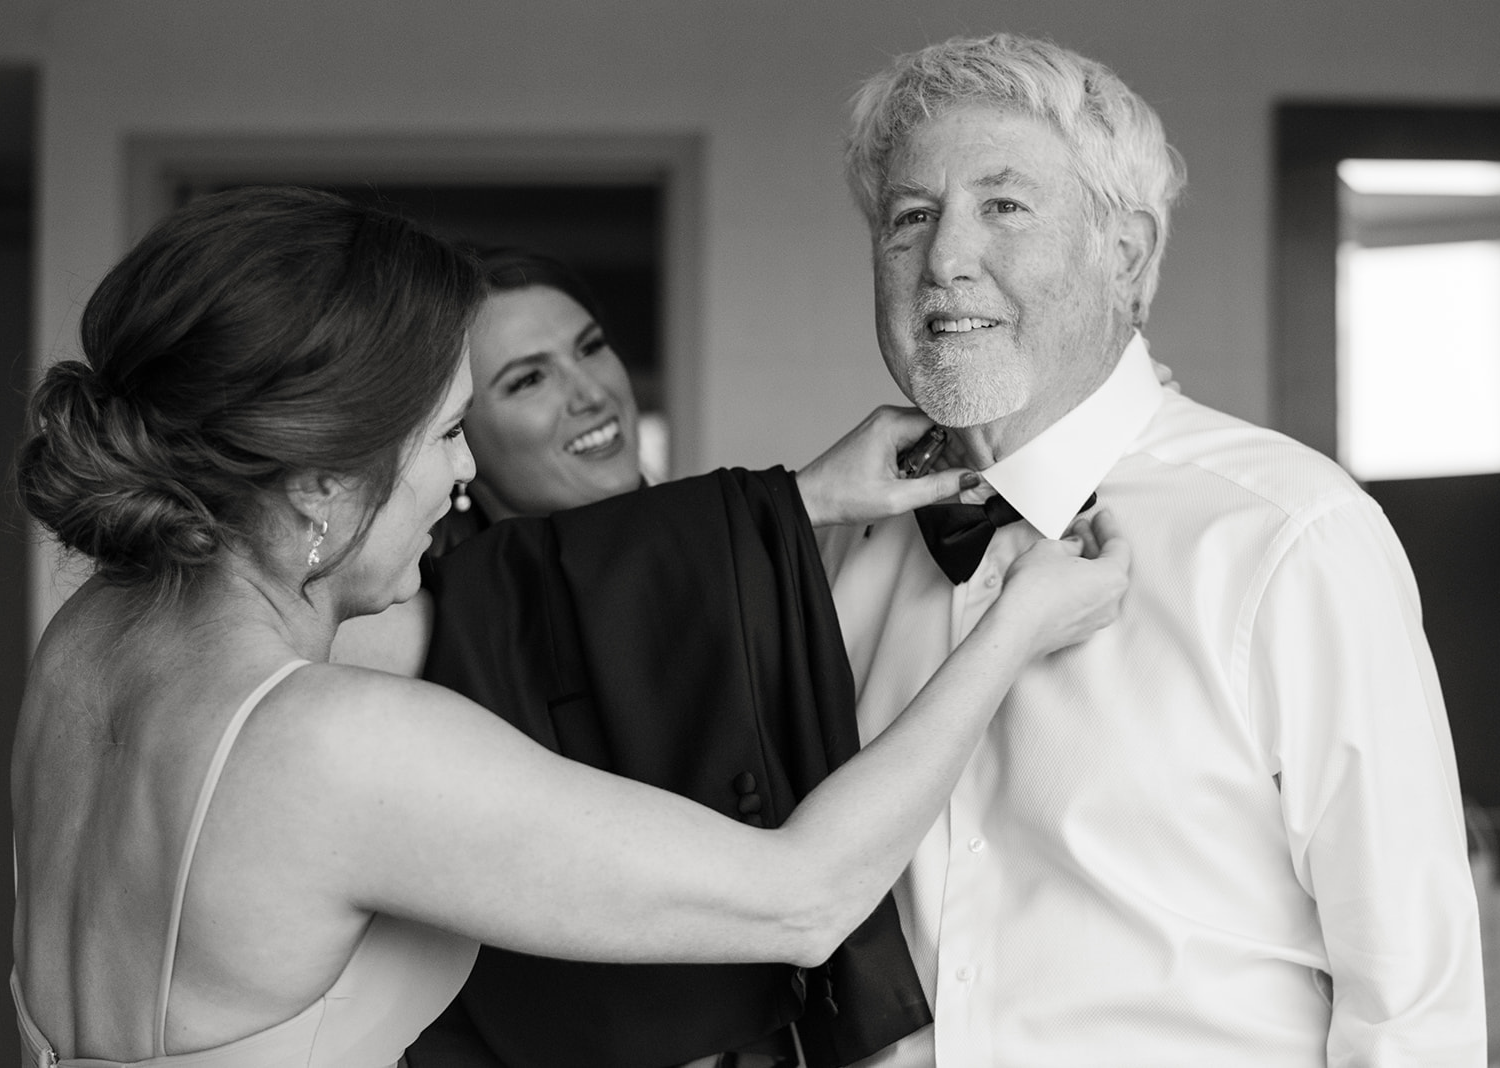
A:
(200, 811)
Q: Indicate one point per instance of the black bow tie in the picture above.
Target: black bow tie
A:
(958, 534)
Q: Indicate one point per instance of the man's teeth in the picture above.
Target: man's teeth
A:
(961, 326)
(594, 439)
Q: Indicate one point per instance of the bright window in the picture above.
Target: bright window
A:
(1419, 327)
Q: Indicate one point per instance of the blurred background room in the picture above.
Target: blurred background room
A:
(1333, 271)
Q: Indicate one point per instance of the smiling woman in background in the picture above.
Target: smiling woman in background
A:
(554, 422)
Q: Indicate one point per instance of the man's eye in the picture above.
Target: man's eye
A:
(1004, 207)
(914, 217)
(594, 346)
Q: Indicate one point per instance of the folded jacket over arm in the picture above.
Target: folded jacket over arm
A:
(682, 635)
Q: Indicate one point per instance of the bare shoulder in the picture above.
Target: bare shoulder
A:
(336, 710)
(353, 778)
(364, 733)
(338, 752)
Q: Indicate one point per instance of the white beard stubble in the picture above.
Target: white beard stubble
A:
(965, 385)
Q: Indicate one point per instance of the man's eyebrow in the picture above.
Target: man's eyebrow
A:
(891, 192)
(1004, 177)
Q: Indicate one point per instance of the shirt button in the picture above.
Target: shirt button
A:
(963, 973)
(991, 580)
(976, 845)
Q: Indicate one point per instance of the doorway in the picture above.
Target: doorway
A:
(622, 211)
(609, 234)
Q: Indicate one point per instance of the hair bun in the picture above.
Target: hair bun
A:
(108, 485)
(252, 336)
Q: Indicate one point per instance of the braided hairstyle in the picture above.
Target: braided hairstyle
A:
(253, 335)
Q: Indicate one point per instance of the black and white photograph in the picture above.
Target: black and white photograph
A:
(751, 533)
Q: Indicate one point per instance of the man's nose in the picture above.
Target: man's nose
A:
(956, 249)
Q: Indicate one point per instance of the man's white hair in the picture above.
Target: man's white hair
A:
(1119, 152)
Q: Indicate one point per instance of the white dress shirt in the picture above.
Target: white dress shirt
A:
(1174, 834)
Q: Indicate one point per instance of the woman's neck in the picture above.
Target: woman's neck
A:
(248, 601)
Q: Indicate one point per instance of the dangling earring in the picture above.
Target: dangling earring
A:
(316, 534)
(461, 502)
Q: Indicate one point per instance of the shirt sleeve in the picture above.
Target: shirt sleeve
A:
(834, 544)
(1345, 696)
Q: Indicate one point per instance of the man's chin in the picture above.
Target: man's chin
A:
(960, 389)
(959, 412)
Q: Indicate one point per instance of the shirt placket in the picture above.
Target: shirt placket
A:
(964, 993)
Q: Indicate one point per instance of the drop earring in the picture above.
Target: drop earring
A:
(316, 533)
(461, 502)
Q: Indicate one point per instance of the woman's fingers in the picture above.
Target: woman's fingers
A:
(1082, 531)
(938, 486)
(1112, 543)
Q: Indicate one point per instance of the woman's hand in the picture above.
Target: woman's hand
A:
(858, 480)
(1066, 590)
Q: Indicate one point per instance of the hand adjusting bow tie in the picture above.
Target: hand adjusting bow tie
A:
(958, 534)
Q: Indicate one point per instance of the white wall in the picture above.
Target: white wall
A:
(788, 354)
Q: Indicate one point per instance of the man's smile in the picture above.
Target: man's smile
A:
(960, 326)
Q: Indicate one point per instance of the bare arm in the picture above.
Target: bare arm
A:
(440, 811)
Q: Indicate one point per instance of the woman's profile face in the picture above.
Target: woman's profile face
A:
(553, 422)
(384, 568)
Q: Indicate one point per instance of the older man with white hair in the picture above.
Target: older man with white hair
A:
(1227, 830)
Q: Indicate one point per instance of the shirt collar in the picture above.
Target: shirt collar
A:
(1049, 477)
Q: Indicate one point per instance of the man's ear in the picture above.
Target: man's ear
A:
(1136, 246)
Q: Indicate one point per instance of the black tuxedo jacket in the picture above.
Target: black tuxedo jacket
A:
(684, 636)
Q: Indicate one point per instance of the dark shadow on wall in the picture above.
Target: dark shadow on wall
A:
(17, 126)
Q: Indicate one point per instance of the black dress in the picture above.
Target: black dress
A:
(684, 636)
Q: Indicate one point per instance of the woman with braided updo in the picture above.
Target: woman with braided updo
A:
(231, 852)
